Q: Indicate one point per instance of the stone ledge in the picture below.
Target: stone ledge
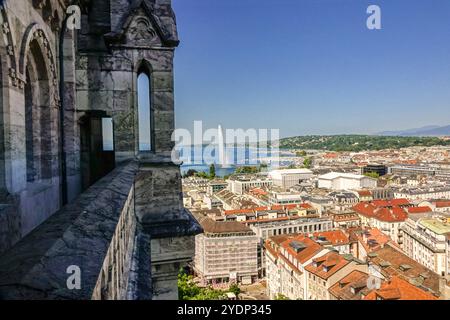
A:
(79, 234)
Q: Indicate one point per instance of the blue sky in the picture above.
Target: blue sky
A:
(312, 66)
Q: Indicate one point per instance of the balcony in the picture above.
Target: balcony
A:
(127, 235)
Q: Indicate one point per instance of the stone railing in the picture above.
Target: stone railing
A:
(81, 239)
(110, 243)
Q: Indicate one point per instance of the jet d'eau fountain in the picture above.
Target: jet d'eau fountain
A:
(226, 149)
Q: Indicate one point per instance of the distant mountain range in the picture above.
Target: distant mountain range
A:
(427, 131)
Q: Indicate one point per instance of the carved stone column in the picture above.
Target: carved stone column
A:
(171, 228)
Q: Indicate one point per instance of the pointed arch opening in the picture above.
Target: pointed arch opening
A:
(38, 140)
(145, 111)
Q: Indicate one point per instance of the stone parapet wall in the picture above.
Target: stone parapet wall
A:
(85, 234)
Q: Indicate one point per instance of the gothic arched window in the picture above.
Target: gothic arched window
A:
(144, 112)
(38, 140)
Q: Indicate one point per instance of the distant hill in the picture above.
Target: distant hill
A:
(427, 131)
(357, 143)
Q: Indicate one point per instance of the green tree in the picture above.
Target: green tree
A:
(212, 171)
(234, 288)
(301, 153)
(247, 170)
(307, 162)
(281, 297)
(190, 173)
(372, 175)
(202, 174)
(188, 290)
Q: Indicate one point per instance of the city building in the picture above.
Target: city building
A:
(290, 177)
(286, 258)
(334, 240)
(398, 289)
(242, 183)
(345, 181)
(391, 261)
(368, 240)
(437, 205)
(278, 197)
(266, 229)
(354, 286)
(345, 219)
(215, 186)
(364, 195)
(425, 240)
(211, 201)
(387, 216)
(423, 193)
(226, 252)
(405, 170)
(325, 271)
(379, 169)
(343, 200)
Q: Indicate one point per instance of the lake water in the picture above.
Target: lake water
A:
(199, 158)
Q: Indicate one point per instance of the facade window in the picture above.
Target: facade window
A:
(107, 134)
(144, 112)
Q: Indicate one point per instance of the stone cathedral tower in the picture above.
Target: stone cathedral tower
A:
(90, 201)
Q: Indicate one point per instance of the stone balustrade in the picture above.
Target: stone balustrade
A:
(126, 235)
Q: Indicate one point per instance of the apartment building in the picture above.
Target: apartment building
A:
(425, 240)
(367, 240)
(268, 229)
(286, 258)
(354, 286)
(325, 271)
(387, 216)
(211, 201)
(333, 239)
(215, 186)
(392, 261)
(343, 199)
(226, 252)
(277, 197)
(437, 205)
(423, 193)
(345, 219)
(399, 289)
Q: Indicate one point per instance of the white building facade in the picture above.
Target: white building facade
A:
(345, 181)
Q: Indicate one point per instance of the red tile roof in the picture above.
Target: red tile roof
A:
(399, 289)
(382, 213)
(442, 204)
(355, 280)
(419, 209)
(364, 193)
(274, 207)
(327, 265)
(391, 259)
(372, 239)
(238, 211)
(391, 203)
(335, 237)
(311, 248)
